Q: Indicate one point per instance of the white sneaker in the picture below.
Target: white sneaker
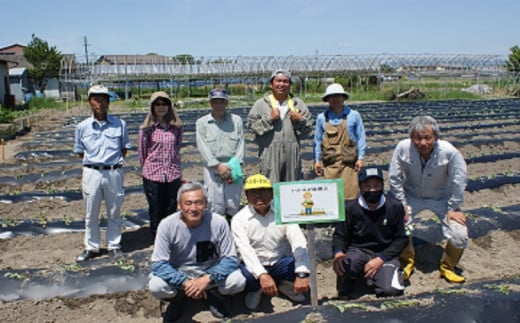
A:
(287, 289)
(253, 299)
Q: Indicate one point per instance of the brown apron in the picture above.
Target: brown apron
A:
(339, 155)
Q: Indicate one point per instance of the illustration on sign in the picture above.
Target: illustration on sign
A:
(309, 201)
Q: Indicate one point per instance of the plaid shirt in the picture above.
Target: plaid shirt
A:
(159, 150)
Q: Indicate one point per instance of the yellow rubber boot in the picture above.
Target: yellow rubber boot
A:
(449, 260)
(407, 259)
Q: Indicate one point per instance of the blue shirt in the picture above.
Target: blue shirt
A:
(101, 142)
(355, 129)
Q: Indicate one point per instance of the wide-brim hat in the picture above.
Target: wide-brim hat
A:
(334, 89)
(159, 95)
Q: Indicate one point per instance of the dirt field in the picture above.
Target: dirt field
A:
(492, 254)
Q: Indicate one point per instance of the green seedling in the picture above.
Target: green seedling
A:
(451, 291)
(400, 304)
(50, 191)
(75, 267)
(43, 221)
(342, 307)
(125, 215)
(9, 222)
(16, 192)
(434, 219)
(17, 276)
(471, 216)
(67, 219)
(126, 264)
(504, 289)
(494, 208)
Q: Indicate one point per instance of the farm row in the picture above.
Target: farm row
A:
(42, 211)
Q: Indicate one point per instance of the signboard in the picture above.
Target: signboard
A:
(315, 201)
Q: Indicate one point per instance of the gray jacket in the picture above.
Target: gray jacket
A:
(443, 177)
(268, 131)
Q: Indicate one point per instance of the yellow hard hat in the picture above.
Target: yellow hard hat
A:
(257, 181)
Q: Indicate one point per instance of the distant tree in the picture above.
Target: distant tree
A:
(46, 62)
(184, 59)
(513, 64)
(385, 68)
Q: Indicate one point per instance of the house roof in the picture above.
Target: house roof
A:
(17, 60)
(134, 59)
(16, 71)
(16, 47)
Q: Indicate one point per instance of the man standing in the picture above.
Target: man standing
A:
(429, 173)
(367, 245)
(102, 141)
(275, 257)
(339, 141)
(194, 254)
(220, 138)
(279, 121)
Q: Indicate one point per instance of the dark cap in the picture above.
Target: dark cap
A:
(218, 94)
(366, 173)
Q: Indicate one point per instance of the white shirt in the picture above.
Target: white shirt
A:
(261, 242)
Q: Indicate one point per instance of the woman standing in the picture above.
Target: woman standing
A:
(160, 138)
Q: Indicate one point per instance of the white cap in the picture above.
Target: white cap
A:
(97, 89)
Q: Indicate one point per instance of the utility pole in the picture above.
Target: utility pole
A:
(86, 49)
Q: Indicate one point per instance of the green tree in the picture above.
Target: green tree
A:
(513, 64)
(184, 59)
(46, 62)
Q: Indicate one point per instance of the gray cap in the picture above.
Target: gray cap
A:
(284, 72)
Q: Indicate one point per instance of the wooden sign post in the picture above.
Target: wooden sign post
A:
(310, 202)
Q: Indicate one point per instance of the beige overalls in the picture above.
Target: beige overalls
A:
(339, 155)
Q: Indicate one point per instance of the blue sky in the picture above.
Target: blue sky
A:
(212, 28)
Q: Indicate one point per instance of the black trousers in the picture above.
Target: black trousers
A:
(162, 200)
(388, 281)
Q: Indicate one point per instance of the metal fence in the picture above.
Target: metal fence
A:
(257, 69)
